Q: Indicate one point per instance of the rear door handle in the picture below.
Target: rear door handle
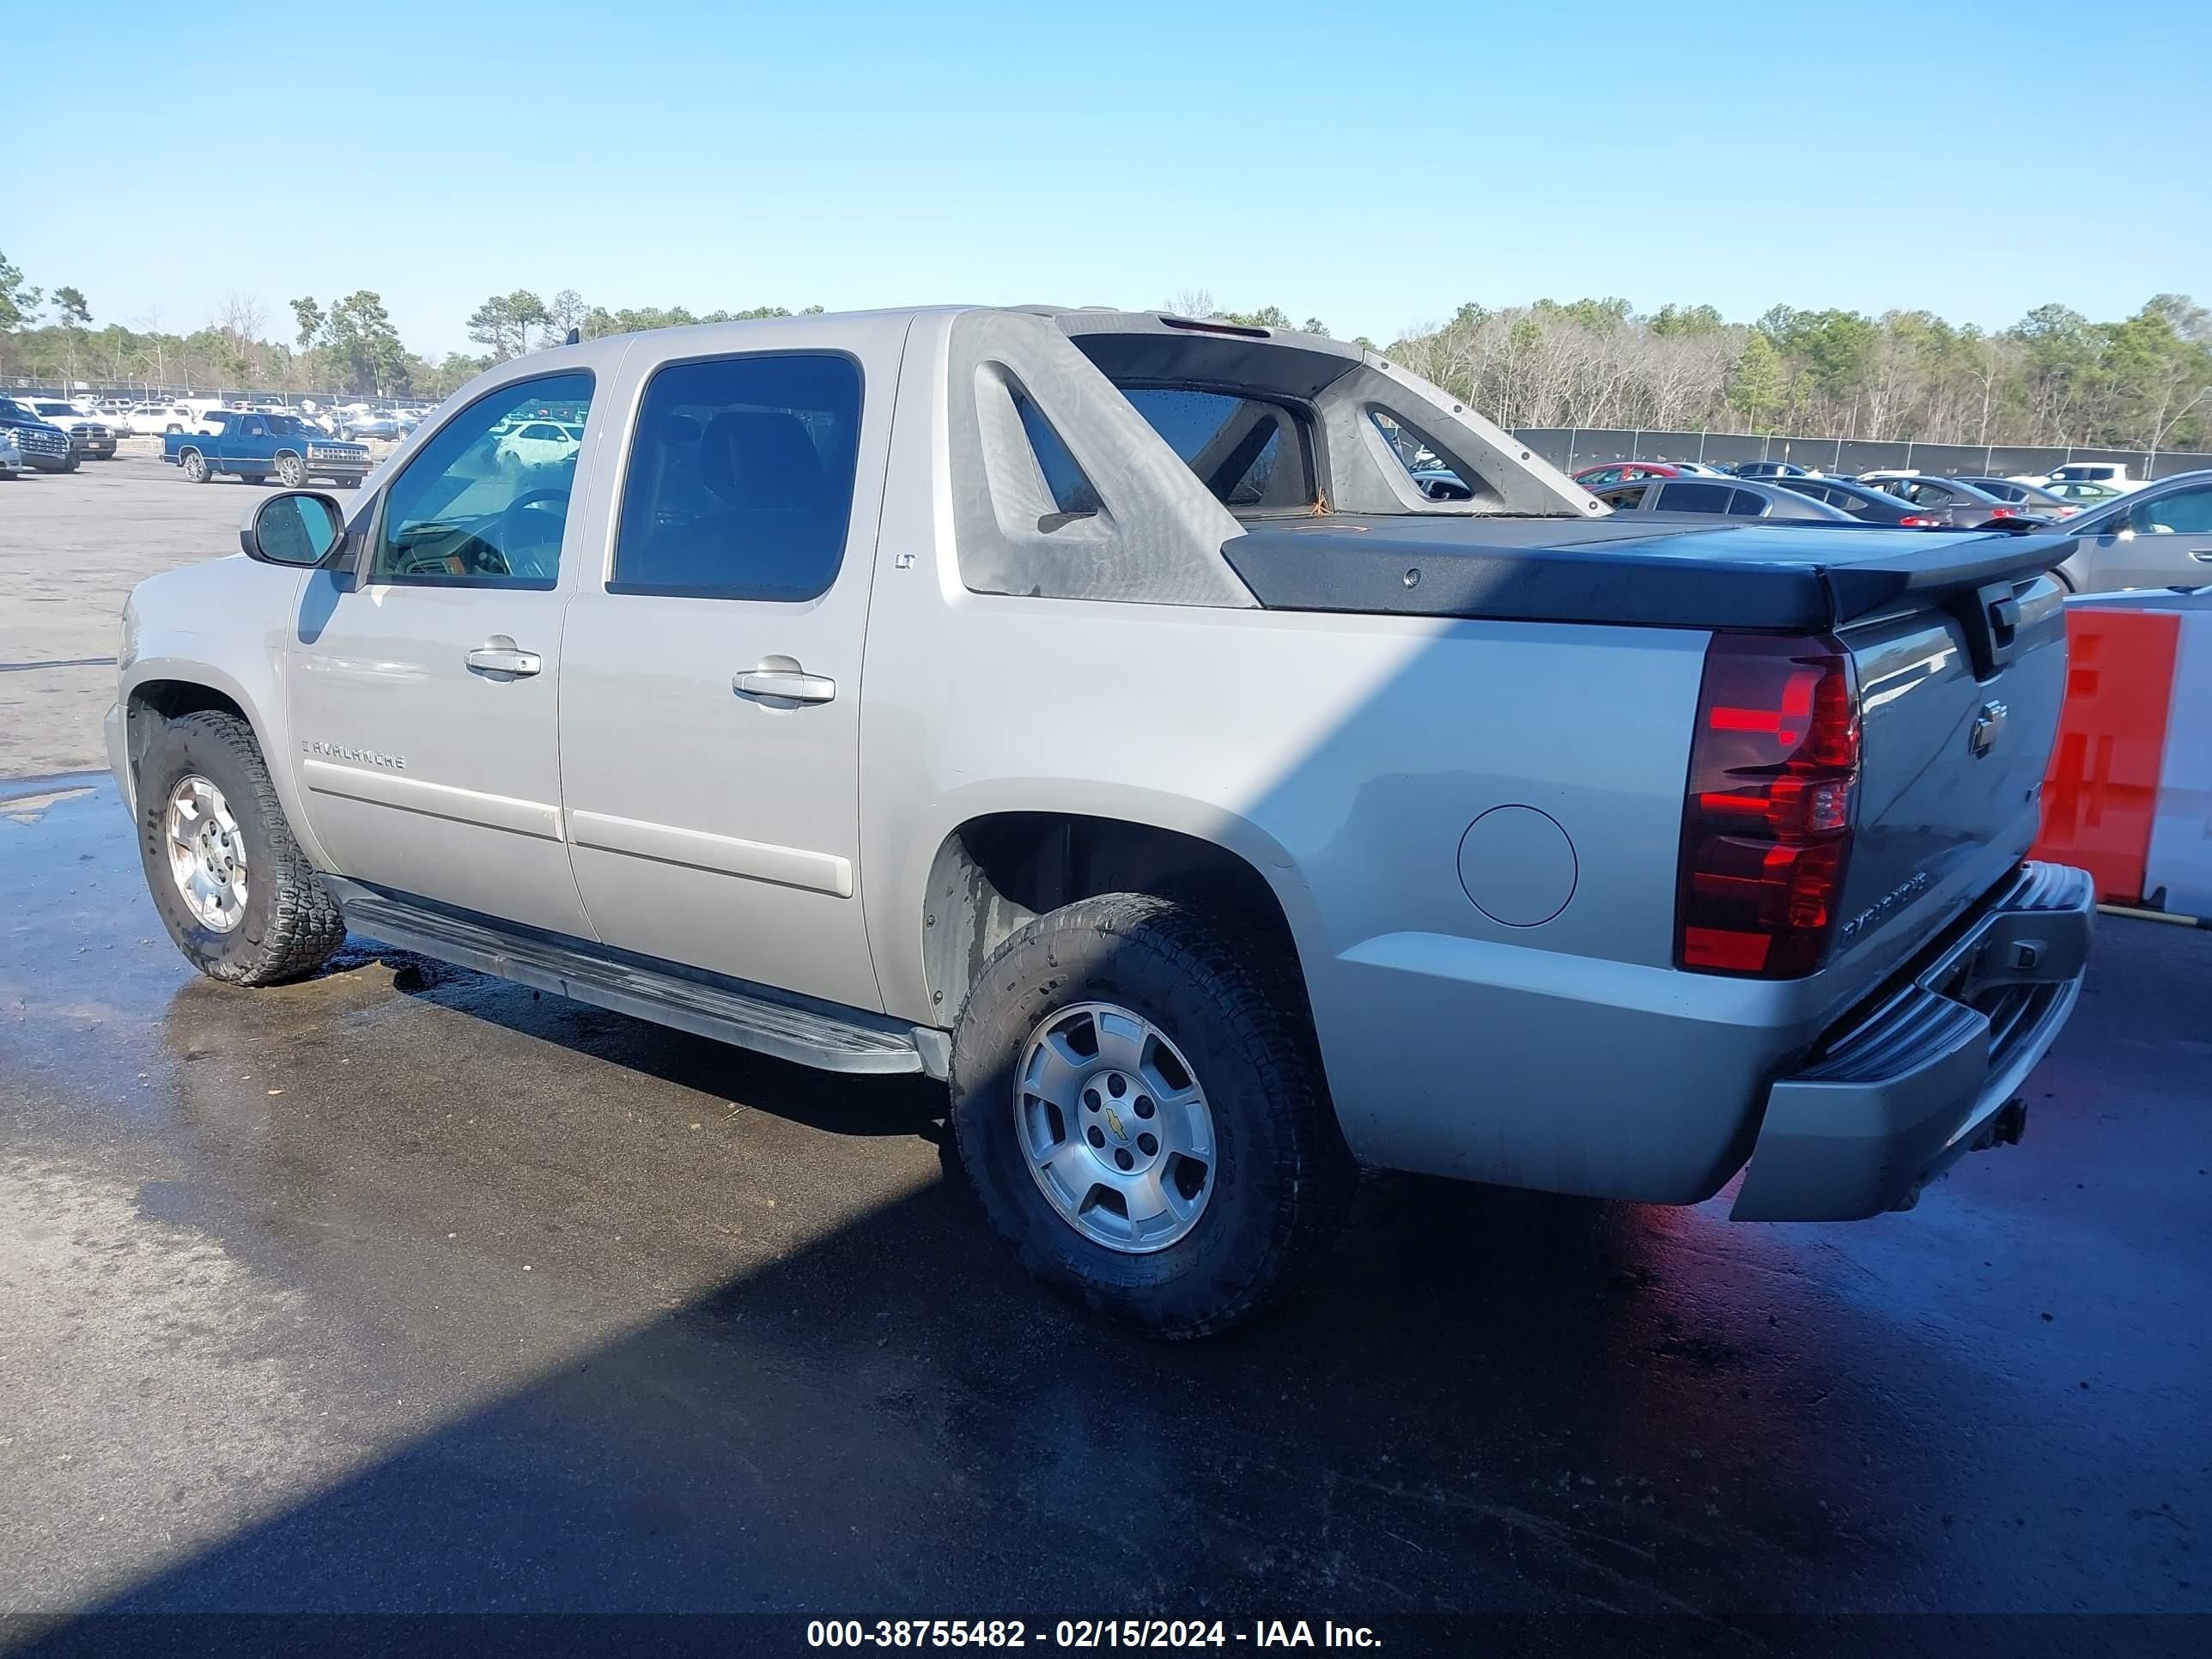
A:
(779, 679)
(498, 655)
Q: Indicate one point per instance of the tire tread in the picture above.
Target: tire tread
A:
(1258, 1000)
(305, 926)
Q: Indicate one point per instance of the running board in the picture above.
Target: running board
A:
(768, 1021)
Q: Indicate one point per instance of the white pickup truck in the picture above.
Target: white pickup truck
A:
(1091, 710)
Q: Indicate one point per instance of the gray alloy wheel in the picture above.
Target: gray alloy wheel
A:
(207, 853)
(1114, 1126)
(195, 466)
(291, 471)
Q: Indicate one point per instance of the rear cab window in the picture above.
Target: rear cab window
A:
(1253, 454)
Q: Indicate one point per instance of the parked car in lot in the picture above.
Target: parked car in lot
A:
(2028, 498)
(1209, 844)
(2158, 536)
(89, 440)
(11, 453)
(2082, 494)
(375, 423)
(1735, 498)
(2112, 475)
(1772, 470)
(257, 447)
(538, 443)
(1594, 478)
(1960, 504)
(155, 418)
(1864, 502)
(44, 446)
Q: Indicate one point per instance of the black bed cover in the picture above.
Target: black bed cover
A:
(1622, 569)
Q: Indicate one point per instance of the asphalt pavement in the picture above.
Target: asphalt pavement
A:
(406, 1290)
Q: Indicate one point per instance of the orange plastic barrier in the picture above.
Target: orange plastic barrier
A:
(2101, 791)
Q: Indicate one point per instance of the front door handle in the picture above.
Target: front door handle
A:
(498, 655)
(779, 679)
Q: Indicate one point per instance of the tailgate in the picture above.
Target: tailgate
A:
(1959, 696)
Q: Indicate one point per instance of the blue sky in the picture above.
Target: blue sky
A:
(1372, 166)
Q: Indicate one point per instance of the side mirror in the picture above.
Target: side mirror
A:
(296, 528)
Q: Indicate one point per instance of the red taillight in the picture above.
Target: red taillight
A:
(1915, 519)
(1767, 825)
(2001, 512)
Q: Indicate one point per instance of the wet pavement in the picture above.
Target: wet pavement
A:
(407, 1290)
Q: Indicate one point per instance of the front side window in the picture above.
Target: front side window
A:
(470, 511)
(2185, 512)
(740, 479)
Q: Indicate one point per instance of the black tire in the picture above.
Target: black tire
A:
(71, 464)
(291, 925)
(1224, 995)
(194, 466)
(291, 471)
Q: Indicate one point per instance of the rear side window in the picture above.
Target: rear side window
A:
(1691, 495)
(740, 479)
(1251, 454)
(1748, 505)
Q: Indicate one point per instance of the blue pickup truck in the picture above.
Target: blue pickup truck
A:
(258, 446)
(44, 446)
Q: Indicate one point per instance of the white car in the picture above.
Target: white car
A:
(539, 443)
(2111, 475)
(155, 418)
(11, 458)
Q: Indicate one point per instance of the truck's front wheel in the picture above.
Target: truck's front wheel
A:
(1138, 1102)
(291, 471)
(231, 885)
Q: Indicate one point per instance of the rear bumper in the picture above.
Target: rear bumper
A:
(1902, 1091)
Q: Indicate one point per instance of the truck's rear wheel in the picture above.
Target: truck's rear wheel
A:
(231, 884)
(195, 466)
(1138, 1102)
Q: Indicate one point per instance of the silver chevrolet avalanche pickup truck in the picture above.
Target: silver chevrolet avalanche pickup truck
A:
(1090, 710)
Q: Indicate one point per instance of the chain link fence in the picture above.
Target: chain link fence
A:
(1572, 448)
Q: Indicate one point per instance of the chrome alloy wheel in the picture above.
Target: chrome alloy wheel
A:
(1115, 1127)
(207, 854)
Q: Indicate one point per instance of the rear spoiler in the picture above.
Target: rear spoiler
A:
(1654, 580)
